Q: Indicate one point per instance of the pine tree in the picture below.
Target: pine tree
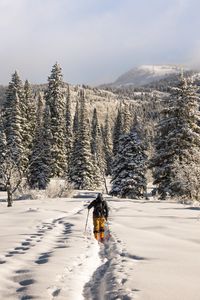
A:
(13, 119)
(15, 86)
(39, 168)
(107, 145)
(97, 148)
(95, 133)
(117, 130)
(75, 144)
(29, 117)
(47, 160)
(127, 119)
(129, 166)
(14, 133)
(177, 143)
(11, 168)
(69, 128)
(3, 142)
(76, 120)
(55, 101)
(82, 170)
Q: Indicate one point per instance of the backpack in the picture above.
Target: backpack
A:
(99, 209)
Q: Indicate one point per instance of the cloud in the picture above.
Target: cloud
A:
(193, 59)
(93, 40)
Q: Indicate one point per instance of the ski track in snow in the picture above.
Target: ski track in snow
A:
(97, 272)
(108, 280)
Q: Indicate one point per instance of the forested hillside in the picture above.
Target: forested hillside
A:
(83, 134)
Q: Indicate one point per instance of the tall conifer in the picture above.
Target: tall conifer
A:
(40, 158)
(55, 101)
(129, 166)
(13, 119)
(117, 130)
(69, 129)
(177, 142)
(82, 171)
(107, 145)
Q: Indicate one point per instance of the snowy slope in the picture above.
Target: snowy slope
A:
(146, 74)
(46, 254)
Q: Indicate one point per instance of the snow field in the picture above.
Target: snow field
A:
(163, 240)
(38, 273)
(45, 253)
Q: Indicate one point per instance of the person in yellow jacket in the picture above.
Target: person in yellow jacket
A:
(100, 216)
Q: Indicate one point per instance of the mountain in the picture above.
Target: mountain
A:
(145, 74)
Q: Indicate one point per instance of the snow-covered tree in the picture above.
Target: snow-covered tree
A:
(69, 129)
(11, 174)
(97, 148)
(13, 118)
(40, 160)
(107, 145)
(127, 119)
(186, 180)
(76, 120)
(82, 171)
(95, 132)
(11, 171)
(29, 118)
(118, 125)
(3, 142)
(178, 141)
(15, 86)
(75, 145)
(55, 101)
(129, 166)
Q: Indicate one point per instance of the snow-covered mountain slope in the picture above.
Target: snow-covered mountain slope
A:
(46, 254)
(146, 74)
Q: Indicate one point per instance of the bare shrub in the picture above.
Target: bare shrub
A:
(58, 188)
(25, 193)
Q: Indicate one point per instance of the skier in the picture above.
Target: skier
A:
(100, 216)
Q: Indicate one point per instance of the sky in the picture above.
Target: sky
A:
(95, 41)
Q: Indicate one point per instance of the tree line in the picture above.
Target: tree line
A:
(41, 139)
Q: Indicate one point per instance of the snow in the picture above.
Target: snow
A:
(146, 74)
(45, 252)
(160, 70)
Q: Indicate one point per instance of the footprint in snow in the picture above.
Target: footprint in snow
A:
(39, 234)
(131, 256)
(43, 258)
(15, 252)
(22, 248)
(56, 292)
(61, 247)
(27, 297)
(25, 243)
(22, 271)
(2, 261)
(27, 282)
(21, 289)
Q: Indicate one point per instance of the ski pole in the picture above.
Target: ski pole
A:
(87, 220)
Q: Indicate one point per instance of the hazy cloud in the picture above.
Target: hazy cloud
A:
(94, 40)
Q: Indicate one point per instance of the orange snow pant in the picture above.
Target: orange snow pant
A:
(99, 224)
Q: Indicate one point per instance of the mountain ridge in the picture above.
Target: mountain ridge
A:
(146, 74)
